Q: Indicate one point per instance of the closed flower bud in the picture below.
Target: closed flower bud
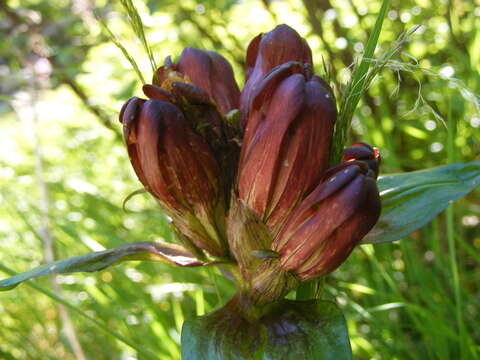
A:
(330, 222)
(286, 142)
(202, 84)
(206, 70)
(177, 167)
(265, 52)
(363, 152)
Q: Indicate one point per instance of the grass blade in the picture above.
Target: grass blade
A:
(451, 238)
(356, 87)
(122, 48)
(146, 353)
(137, 27)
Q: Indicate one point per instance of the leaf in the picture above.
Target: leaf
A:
(130, 196)
(99, 260)
(356, 87)
(411, 200)
(307, 330)
(122, 48)
(264, 254)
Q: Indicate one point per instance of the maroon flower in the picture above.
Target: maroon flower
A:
(177, 167)
(207, 71)
(286, 142)
(330, 222)
(290, 218)
(202, 85)
(363, 152)
(265, 52)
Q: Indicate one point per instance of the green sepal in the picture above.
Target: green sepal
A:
(246, 234)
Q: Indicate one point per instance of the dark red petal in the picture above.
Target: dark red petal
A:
(252, 52)
(358, 152)
(365, 153)
(305, 153)
(129, 115)
(193, 94)
(311, 234)
(281, 45)
(269, 84)
(157, 93)
(259, 160)
(150, 133)
(211, 72)
(262, 97)
(346, 237)
(334, 183)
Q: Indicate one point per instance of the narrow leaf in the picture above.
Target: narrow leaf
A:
(356, 87)
(264, 254)
(122, 48)
(130, 196)
(411, 200)
(99, 260)
(137, 26)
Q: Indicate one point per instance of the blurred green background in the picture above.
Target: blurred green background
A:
(64, 172)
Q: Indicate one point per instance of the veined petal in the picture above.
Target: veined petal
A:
(341, 243)
(322, 231)
(211, 72)
(259, 160)
(281, 45)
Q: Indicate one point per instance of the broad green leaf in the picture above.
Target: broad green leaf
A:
(99, 260)
(411, 200)
(306, 330)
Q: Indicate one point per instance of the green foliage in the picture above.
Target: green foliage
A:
(100, 260)
(400, 299)
(356, 86)
(412, 200)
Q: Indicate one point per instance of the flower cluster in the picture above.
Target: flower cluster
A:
(253, 185)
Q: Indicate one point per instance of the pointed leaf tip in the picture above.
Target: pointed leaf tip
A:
(411, 200)
(150, 251)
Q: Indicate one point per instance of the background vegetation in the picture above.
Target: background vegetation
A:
(64, 172)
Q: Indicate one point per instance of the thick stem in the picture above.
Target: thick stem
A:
(248, 308)
(271, 282)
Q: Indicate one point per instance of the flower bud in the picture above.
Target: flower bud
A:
(365, 153)
(330, 222)
(265, 52)
(203, 86)
(206, 70)
(286, 142)
(177, 167)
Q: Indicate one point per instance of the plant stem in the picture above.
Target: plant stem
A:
(213, 278)
(306, 291)
(451, 236)
(310, 290)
